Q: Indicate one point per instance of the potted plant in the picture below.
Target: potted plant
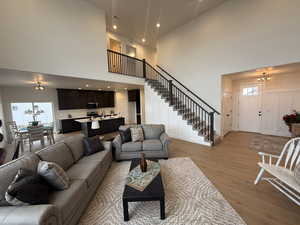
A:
(291, 118)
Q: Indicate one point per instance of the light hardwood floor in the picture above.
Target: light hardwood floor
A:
(232, 167)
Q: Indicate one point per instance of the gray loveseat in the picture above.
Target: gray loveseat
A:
(155, 144)
(65, 207)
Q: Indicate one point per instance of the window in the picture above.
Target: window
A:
(26, 112)
(250, 91)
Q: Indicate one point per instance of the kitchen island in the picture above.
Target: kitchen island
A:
(107, 125)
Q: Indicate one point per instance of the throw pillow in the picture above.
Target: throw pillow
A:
(137, 134)
(297, 173)
(27, 188)
(125, 135)
(54, 175)
(92, 145)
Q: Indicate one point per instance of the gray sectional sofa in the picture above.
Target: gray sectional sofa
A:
(65, 207)
(155, 144)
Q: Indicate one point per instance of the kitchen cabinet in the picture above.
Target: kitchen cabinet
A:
(133, 95)
(106, 126)
(68, 99)
(70, 125)
(79, 99)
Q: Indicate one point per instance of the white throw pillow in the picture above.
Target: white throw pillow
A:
(54, 175)
(137, 134)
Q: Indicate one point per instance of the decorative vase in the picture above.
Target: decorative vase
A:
(143, 163)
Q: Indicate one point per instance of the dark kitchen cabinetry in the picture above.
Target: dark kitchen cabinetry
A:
(79, 99)
(68, 99)
(133, 95)
(70, 125)
(108, 99)
(106, 126)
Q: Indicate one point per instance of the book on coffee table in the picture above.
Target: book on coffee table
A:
(139, 180)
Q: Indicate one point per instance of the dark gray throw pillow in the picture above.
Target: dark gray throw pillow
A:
(92, 145)
(125, 135)
(28, 188)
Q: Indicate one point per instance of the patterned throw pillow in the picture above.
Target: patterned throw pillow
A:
(54, 175)
(137, 134)
(297, 173)
(27, 188)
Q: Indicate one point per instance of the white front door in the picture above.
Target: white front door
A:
(250, 108)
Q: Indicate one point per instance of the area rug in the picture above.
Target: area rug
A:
(268, 144)
(191, 199)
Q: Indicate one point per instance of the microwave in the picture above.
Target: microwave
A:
(92, 105)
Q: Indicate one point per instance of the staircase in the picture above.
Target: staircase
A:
(195, 111)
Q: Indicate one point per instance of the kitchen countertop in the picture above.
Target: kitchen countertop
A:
(98, 118)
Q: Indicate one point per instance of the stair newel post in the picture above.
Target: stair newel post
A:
(211, 127)
(171, 92)
(144, 68)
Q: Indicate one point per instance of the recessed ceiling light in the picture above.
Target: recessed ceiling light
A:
(158, 25)
(87, 85)
(99, 89)
(108, 86)
(79, 88)
(115, 27)
(143, 40)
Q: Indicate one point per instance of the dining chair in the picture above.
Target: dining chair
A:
(49, 133)
(36, 133)
(13, 131)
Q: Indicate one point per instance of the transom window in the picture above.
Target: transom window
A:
(250, 91)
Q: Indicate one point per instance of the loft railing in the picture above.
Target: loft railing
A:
(124, 64)
(198, 112)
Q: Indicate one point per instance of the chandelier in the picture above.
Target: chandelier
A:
(39, 86)
(264, 77)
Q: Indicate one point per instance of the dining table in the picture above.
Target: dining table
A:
(23, 134)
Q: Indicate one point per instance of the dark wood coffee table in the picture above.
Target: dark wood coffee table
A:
(153, 192)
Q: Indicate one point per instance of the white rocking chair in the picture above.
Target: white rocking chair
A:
(283, 170)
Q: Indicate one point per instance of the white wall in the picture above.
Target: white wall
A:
(236, 36)
(142, 52)
(159, 112)
(56, 37)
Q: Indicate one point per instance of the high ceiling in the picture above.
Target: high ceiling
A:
(14, 78)
(133, 22)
